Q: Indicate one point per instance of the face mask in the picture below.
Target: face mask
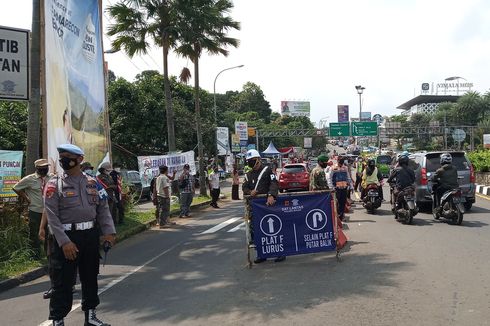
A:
(89, 171)
(68, 163)
(42, 171)
(117, 170)
(251, 163)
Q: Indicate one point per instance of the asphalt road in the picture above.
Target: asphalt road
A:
(428, 273)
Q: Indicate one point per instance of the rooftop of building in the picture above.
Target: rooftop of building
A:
(428, 99)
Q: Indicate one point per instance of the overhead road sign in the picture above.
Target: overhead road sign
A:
(365, 128)
(341, 129)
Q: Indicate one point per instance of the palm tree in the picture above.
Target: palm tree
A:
(139, 20)
(33, 121)
(203, 27)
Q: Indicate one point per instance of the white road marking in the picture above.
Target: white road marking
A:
(221, 225)
(119, 279)
(238, 227)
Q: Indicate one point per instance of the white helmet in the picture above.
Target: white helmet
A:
(252, 153)
(446, 158)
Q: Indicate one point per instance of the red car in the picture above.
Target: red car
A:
(294, 177)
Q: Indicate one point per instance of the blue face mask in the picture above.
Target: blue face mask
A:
(89, 171)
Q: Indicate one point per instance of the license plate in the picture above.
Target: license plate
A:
(294, 184)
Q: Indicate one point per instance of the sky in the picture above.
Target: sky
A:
(317, 50)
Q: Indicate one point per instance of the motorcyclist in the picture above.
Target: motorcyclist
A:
(371, 175)
(402, 175)
(445, 178)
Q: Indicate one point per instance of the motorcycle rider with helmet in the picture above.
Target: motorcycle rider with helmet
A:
(371, 175)
(403, 175)
(444, 179)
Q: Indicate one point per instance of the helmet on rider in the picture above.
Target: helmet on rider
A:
(403, 160)
(446, 158)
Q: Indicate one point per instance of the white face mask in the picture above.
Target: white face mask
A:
(117, 170)
(89, 171)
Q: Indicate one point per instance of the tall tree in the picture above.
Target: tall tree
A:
(138, 20)
(13, 125)
(203, 28)
(33, 130)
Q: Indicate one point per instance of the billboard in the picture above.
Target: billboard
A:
(75, 87)
(307, 142)
(365, 116)
(295, 108)
(342, 113)
(222, 142)
(241, 130)
(235, 143)
(14, 64)
(10, 173)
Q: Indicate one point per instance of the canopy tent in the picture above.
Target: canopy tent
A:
(271, 150)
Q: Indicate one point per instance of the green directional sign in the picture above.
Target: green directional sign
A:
(365, 128)
(341, 129)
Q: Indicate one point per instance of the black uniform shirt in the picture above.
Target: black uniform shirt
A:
(266, 185)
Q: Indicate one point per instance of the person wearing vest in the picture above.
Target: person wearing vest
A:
(78, 214)
(341, 181)
(260, 181)
(360, 166)
(371, 175)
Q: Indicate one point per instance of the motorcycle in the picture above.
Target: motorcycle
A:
(403, 205)
(451, 207)
(372, 200)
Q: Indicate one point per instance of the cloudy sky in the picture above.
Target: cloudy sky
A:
(318, 50)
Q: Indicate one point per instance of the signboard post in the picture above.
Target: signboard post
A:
(341, 129)
(14, 63)
(342, 113)
(296, 224)
(365, 128)
(10, 174)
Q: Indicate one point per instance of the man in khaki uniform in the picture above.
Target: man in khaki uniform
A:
(30, 188)
(318, 179)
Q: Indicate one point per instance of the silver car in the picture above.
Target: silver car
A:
(426, 165)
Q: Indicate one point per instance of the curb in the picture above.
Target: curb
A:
(41, 271)
(483, 190)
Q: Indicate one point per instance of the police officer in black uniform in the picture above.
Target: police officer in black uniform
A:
(260, 181)
(76, 208)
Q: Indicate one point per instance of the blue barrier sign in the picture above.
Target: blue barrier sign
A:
(296, 224)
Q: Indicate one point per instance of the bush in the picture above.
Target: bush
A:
(480, 160)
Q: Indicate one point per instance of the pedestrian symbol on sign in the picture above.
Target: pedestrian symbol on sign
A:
(316, 219)
(271, 224)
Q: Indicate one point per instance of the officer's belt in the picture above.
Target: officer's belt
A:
(79, 226)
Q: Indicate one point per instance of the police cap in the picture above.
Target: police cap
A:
(70, 148)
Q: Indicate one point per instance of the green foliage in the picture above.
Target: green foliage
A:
(480, 160)
(13, 125)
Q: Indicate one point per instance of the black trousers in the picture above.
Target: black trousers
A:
(34, 222)
(234, 192)
(214, 196)
(63, 270)
(341, 199)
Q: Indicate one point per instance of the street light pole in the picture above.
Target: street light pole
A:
(214, 98)
(360, 89)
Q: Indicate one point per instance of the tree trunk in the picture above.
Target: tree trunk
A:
(33, 122)
(168, 98)
(200, 146)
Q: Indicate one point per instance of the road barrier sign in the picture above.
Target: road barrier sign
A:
(341, 129)
(365, 128)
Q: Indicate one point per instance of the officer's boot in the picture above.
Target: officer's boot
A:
(92, 320)
(58, 322)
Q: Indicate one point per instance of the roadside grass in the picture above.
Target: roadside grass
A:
(19, 263)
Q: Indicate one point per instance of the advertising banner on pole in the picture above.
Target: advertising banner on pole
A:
(295, 108)
(342, 113)
(296, 224)
(486, 140)
(75, 86)
(365, 116)
(235, 143)
(222, 141)
(10, 174)
(241, 129)
(308, 142)
(148, 165)
(14, 64)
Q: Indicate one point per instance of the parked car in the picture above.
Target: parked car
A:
(294, 177)
(133, 179)
(427, 163)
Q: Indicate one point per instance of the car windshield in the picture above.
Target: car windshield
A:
(383, 159)
(134, 177)
(459, 161)
(294, 169)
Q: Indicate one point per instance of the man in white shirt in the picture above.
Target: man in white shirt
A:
(162, 190)
(214, 187)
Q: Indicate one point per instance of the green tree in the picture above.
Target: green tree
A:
(140, 20)
(13, 125)
(203, 28)
(252, 98)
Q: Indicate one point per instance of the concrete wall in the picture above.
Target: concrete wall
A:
(482, 178)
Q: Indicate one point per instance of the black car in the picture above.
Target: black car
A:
(133, 179)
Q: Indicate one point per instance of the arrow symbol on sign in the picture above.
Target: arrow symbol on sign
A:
(339, 133)
(317, 216)
(270, 221)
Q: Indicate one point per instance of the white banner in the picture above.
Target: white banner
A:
(222, 140)
(148, 165)
(75, 87)
(241, 129)
(14, 64)
(307, 142)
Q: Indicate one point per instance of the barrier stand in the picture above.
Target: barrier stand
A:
(248, 217)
